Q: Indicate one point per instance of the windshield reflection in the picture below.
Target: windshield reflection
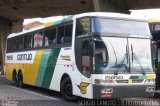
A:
(106, 59)
(121, 55)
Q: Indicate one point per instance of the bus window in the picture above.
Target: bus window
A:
(84, 55)
(82, 26)
(28, 41)
(68, 33)
(8, 45)
(38, 39)
(60, 37)
(19, 43)
(13, 43)
(50, 37)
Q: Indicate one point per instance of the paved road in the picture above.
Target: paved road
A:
(10, 95)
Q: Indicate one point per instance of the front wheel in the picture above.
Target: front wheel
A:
(66, 90)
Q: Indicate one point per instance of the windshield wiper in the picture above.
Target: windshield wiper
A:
(126, 55)
(134, 56)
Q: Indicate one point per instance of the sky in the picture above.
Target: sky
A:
(147, 14)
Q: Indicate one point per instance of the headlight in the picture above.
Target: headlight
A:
(100, 81)
(149, 80)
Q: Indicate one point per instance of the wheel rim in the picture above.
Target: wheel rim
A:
(68, 90)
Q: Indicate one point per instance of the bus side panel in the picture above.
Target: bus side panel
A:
(28, 66)
(62, 65)
(66, 65)
(31, 70)
(42, 67)
(9, 71)
(56, 79)
(10, 67)
(50, 67)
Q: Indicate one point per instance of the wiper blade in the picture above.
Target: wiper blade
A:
(122, 61)
(134, 56)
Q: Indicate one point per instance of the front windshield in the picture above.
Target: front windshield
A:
(121, 55)
(110, 58)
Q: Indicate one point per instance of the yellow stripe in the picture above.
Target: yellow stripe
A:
(48, 24)
(31, 70)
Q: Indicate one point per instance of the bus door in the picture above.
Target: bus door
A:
(157, 64)
(84, 62)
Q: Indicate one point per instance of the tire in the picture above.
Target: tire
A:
(20, 81)
(66, 90)
(15, 77)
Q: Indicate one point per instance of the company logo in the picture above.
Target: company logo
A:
(83, 87)
(24, 56)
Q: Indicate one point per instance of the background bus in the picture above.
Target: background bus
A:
(155, 31)
(91, 55)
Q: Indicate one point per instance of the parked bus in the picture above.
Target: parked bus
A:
(155, 31)
(90, 55)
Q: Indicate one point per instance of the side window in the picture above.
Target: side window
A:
(83, 26)
(38, 39)
(50, 37)
(86, 60)
(60, 36)
(68, 33)
(8, 45)
(13, 44)
(19, 43)
(28, 41)
(84, 56)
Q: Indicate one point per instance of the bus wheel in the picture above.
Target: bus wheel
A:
(15, 76)
(66, 90)
(20, 81)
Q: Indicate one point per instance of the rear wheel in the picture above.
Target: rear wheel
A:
(14, 76)
(66, 90)
(20, 80)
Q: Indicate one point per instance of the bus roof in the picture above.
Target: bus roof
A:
(72, 17)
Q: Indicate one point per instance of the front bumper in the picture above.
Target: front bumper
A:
(122, 91)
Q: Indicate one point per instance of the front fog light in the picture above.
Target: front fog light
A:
(107, 90)
(150, 89)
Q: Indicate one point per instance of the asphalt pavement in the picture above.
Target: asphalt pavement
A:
(11, 95)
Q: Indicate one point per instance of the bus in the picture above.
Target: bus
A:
(154, 25)
(93, 55)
